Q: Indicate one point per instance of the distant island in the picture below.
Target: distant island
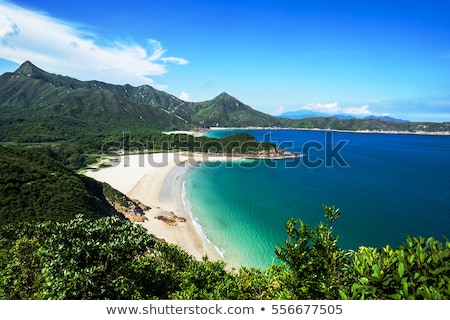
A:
(301, 114)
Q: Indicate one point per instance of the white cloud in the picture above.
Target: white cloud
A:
(279, 111)
(334, 108)
(62, 47)
(7, 26)
(180, 61)
(331, 108)
(185, 96)
(158, 53)
(357, 111)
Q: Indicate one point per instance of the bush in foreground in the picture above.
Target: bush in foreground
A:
(111, 258)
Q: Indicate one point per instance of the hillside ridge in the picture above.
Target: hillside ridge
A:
(37, 106)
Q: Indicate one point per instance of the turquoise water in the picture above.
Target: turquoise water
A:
(387, 187)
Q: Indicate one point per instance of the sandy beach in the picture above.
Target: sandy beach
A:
(156, 180)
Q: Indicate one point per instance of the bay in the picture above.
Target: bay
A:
(387, 186)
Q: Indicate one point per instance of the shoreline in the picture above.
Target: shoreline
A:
(157, 180)
(434, 133)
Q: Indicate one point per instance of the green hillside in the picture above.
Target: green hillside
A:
(226, 111)
(37, 188)
(369, 124)
(36, 106)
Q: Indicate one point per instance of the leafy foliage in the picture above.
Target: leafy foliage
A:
(318, 266)
(82, 259)
(20, 269)
(420, 269)
(320, 270)
(110, 258)
(241, 143)
(86, 260)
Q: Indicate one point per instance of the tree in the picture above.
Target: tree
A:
(317, 265)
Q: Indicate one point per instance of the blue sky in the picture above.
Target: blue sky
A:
(347, 57)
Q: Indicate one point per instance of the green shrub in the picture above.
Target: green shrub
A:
(112, 258)
(420, 269)
(318, 267)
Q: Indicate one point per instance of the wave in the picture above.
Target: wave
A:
(189, 209)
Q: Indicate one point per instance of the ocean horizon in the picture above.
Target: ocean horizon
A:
(387, 186)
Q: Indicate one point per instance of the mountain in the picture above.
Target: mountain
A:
(302, 114)
(374, 124)
(226, 111)
(39, 106)
(387, 118)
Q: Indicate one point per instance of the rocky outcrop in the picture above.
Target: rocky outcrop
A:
(141, 205)
(272, 154)
(133, 210)
(170, 218)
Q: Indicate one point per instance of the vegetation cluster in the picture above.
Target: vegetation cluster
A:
(110, 258)
(36, 187)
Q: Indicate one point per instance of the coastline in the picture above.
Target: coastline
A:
(431, 133)
(156, 180)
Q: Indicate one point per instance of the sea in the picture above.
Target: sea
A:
(387, 186)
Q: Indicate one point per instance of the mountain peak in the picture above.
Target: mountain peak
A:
(28, 69)
(225, 97)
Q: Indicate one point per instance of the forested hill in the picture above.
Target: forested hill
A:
(373, 124)
(35, 188)
(226, 111)
(37, 106)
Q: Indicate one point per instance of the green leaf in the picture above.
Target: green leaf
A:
(342, 295)
(401, 269)
(405, 288)
(396, 296)
(364, 280)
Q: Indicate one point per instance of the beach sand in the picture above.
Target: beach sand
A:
(156, 180)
